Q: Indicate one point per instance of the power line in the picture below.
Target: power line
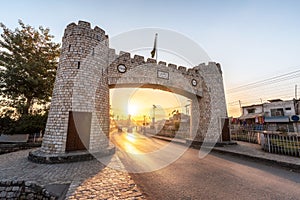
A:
(274, 83)
(261, 81)
(265, 95)
(281, 86)
(265, 84)
(283, 77)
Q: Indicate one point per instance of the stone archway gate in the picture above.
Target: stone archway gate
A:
(88, 68)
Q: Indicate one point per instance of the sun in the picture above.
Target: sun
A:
(132, 109)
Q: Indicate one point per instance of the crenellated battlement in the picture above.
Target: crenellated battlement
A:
(138, 59)
(84, 28)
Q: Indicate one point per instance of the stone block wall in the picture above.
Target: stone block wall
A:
(79, 83)
(141, 73)
(88, 68)
(24, 190)
(213, 104)
(11, 147)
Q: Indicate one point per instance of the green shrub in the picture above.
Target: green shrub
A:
(26, 124)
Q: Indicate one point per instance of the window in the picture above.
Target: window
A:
(267, 114)
(277, 112)
(252, 110)
(288, 108)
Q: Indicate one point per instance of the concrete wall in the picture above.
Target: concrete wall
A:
(280, 104)
(258, 109)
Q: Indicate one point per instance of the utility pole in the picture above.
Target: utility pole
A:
(240, 103)
(296, 101)
(144, 127)
(262, 106)
(153, 119)
(187, 109)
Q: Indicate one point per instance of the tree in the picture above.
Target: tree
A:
(28, 60)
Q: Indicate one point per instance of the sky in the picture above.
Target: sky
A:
(252, 40)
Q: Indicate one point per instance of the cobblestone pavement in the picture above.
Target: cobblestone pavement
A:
(88, 179)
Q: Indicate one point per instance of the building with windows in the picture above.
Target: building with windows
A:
(252, 114)
(275, 115)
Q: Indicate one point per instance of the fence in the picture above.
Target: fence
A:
(247, 134)
(271, 141)
(281, 144)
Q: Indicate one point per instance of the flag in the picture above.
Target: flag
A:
(153, 52)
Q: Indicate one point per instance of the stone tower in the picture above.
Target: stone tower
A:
(80, 87)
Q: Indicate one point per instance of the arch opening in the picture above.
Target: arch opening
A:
(136, 114)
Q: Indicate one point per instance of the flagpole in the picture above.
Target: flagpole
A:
(156, 47)
(154, 51)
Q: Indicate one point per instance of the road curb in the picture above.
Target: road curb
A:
(290, 166)
(260, 159)
(169, 139)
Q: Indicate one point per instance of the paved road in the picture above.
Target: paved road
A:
(216, 176)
